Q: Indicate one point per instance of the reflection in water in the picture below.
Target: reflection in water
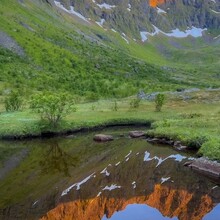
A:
(214, 214)
(56, 160)
(170, 188)
(113, 180)
(139, 212)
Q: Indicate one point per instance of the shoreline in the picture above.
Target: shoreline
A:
(82, 129)
(206, 166)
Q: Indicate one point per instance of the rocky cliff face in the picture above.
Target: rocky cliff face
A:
(134, 16)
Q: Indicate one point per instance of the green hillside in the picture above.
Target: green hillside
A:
(63, 53)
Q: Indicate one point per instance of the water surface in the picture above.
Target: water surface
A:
(76, 178)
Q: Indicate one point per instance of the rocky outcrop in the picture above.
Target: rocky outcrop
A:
(206, 167)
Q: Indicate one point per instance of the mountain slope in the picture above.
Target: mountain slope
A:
(65, 52)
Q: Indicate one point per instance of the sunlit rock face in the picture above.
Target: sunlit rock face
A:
(154, 3)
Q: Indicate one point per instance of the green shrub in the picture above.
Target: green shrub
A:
(159, 102)
(52, 107)
(13, 102)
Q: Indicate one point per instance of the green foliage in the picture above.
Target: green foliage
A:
(159, 101)
(52, 107)
(13, 102)
(211, 149)
(135, 103)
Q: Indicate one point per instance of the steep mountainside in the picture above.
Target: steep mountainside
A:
(94, 48)
(134, 16)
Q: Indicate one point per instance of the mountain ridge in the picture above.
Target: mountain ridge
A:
(132, 17)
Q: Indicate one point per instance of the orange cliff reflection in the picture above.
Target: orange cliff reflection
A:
(155, 3)
(170, 202)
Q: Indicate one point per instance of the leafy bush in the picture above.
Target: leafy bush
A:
(159, 102)
(13, 102)
(52, 107)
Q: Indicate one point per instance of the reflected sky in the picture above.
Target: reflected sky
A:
(214, 214)
(138, 211)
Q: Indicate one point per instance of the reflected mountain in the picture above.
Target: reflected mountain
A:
(169, 187)
(76, 178)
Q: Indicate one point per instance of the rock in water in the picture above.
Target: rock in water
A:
(136, 134)
(103, 138)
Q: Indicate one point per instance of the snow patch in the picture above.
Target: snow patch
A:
(35, 203)
(105, 172)
(99, 194)
(176, 157)
(134, 185)
(163, 180)
(78, 185)
(128, 154)
(100, 23)
(194, 32)
(129, 7)
(106, 6)
(160, 11)
(117, 163)
(112, 187)
(71, 11)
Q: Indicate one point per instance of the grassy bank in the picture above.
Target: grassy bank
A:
(194, 122)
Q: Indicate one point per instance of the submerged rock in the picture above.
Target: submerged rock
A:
(136, 134)
(103, 137)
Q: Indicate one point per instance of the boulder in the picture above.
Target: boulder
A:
(206, 167)
(103, 138)
(153, 140)
(177, 144)
(136, 134)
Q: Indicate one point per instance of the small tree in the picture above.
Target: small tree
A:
(13, 102)
(159, 102)
(115, 107)
(135, 103)
(52, 107)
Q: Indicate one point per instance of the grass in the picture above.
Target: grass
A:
(195, 122)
